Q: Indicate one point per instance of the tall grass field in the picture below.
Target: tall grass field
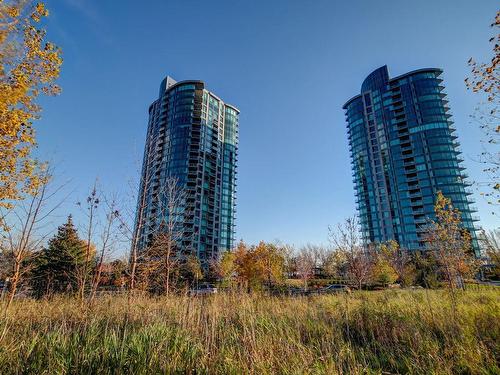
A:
(378, 332)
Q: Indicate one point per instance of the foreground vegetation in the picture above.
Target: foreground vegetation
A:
(392, 331)
(73, 329)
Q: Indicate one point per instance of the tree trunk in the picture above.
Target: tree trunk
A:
(133, 267)
(132, 276)
(14, 282)
(167, 283)
(96, 282)
(167, 270)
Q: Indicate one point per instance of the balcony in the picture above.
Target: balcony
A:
(405, 146)
(473, 208)
(415, 193)
(420, 219)
(416, 201)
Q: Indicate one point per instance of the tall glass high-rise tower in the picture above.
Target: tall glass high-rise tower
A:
(403, 151)
(192, 138)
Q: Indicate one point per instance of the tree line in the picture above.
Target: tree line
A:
(83, 267)
(79, 262)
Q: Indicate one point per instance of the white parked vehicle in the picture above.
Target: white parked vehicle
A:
(203, 290)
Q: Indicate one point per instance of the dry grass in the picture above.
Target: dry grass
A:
(363, 333)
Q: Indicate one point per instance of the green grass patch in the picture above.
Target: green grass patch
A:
(392, 331)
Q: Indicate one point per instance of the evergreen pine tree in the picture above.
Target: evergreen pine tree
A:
(60, 265)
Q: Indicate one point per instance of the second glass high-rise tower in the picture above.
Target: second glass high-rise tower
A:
(403, 151)
(192, 138)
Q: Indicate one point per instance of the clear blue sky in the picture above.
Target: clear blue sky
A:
(289, 66)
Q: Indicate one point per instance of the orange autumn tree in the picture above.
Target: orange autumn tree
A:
(226, 267)
(450, 243)
(252, 267)
(29, 65)
(269, 263)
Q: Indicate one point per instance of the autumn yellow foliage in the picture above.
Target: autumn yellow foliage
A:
(29, 66)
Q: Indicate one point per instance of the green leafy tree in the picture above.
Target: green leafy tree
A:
(426, 269)
(59, 266)
(383, 272)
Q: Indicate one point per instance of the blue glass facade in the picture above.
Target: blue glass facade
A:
(403, 151)
(193, 137)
